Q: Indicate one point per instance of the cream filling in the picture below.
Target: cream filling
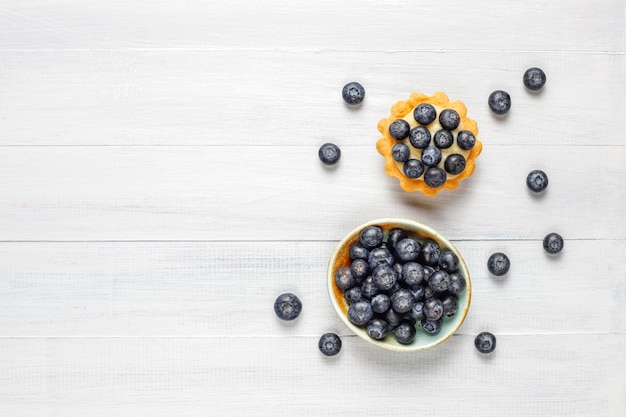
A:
(433, 128)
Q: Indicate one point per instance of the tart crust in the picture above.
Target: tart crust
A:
(400, 110)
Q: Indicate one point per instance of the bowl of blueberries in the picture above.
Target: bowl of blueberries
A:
(399, 284)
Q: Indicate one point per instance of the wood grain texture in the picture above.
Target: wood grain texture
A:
(160, 186)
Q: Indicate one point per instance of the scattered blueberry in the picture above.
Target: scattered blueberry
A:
(449, 119)
(380, 256)
(448, 261)
(380, 303)
(405, 333)
(500, 102)
(371, 236)
(454, 164)
(433, 309)
(425, 113)
(419, 137)
(498, 264)
(407, 249)
(353, 93)
(352, 295)
(485, 342)
(384, 277)
(399, 129)
(534, 78)
(432, 327)
(377, 329)
(402, 300)
(450, 304)
(329, 344)
(466, 140)
(435, 177)
(553, 243)
(412, 274)
(360, 313)
(344, 278)
(439, 281)
(443, 139)
(456, 283)
(537, 180)
(431, 156)
(413, 168)
(329, 153)
(400, 152)
(287, 306)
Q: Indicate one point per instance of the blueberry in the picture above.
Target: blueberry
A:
(439, 281)
(419, 137)
(485, 342)
(329, 344)
(384, 277)
(537, 180)
(443, 139)
(380, 256)
(448, 261)
(377, 329)
(450, 304)
(402, 300)
(380, 303)
(417, 312)
(435, 177)
(399, 129)
(433, 309)
(425, 113)
(454, 164)
(430, 253)
(329, 153)
(456, 283)
(431, 156)
(393, 318)
(408, 249)
(395, 235)
(353, 93)
(429, 293)
(412, 274)
(449, 119)
(397, 267)
(499, 102)
(534, 78)
(368, 289)
(432, 327)
(466, 140)
(358, 251)
(287, 306)
(428, 270)
(371, 237)
(400, 152)
(498, 264)
(405, 333)
(553, 243)
(344, 278)
(360, 270)
(360, 313)
(418, 293)
(413, 168)
(352, 295)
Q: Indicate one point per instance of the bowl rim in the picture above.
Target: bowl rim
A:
(411, 226)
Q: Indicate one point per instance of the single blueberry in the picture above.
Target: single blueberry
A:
(419, 137)
(400, 152)
(431, 156)
(431, 327)
(360, 313)
(428, 270)
(553, 243)
(466, 140)
(412, 274)
(380, 256)
(417, 312)
(408, 249)
(439, 281)
(344, 278)
(380, 303)
(454, 164)
(287, 306)
(443, 139)
(371, 237)
(329, 344)
(399, 129)
(377, 329)
(435, 177)
(368, 289)
(425, 113)
(358, 251)
(405, 333)
(499, 102)
(456, 283)
(448, 261)
(485, 342)
(429, 293)
(384, 277)
(329, 153)
(433, 309)
(413, 168)
(395, 235)
(353, 93)
(402, 300)
(537, 180)
(393, 318)
(418, 292)
(430, 253)
(449, 119)
(352, 295)
(498, 264)
(397, 267)
(360, 270)
(534, 78)
(450, 304)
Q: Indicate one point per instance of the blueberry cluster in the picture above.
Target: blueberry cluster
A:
(430, 145)
(395, 282)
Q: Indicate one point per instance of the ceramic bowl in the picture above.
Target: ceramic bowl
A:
(420, 232)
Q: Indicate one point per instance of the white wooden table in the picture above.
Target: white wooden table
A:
(160, 186)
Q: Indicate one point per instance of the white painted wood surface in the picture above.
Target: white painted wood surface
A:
(159, 187)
